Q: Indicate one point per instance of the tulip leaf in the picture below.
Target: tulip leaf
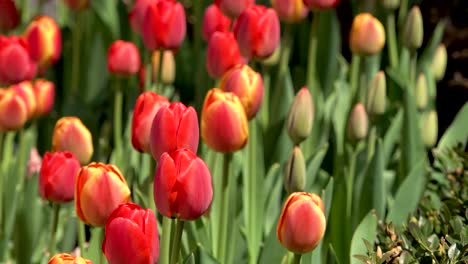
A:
(366, 230)
(313, 166)
(94, 250)
(272, 191)
(392, 136)
(457, 131)
(428, 53)
(106, 11)
(272, 251)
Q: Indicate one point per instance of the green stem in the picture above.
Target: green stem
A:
(402, 13)
(150, 201)
(392, 42)
(266, 98)
(6, 152)
(413, 69)
(81, 237)
(176, 241)
(148, 70)
(53, 231)
(102, 234)
(76, 36)
(354, 78)
(118, 102)
(296, 259)
(166, 241)
(224, 205)
(312, 80)
(158, 77)
(286, 46)
(349, 185)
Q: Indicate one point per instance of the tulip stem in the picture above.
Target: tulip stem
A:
(176, 241)
(158, 78)
(224, 207)
(118, 101)
(296, 259)
(102, 235)
(76, 35)
(354, 78)
(148, 70)
(81, 237)
(392, 43)
(166, 240)
(312, 82)
(53, 231)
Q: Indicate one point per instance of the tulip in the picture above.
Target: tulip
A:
(65, 258)
(233, 8)
(168, 66)
(16, 65)
(164, 25)
(9, 15)
(131, 235)
(44, 92)
(99, 189)
(222, 54)
(174, 126)
(213, 21)
(45, 41)
(300, 116)
(57, 176)
(146, 108)
(376, 94)
(77, 4)
(320, 4)
(429, 129)
(390, 4)
(137, 15)
(25, 90)
(13, 111)
(421, 92)
(224, 126)
(439, 62)
(123, 58)
(247, 84)
(413, 30)
(34, 163)
(295, 172)
(182, 185)
(291, 11)
(70, 134)
(367, 36)
(257, 31)
(358, 123)
(302, 222)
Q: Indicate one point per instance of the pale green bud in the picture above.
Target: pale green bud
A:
(358, 123)
(295, 172)
(376, 94)
(301, 116)
(413, 30)
(439, 62)
(421, 93)
(391, 4)
(429, 129)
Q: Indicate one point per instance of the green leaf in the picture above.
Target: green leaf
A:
(272, 203)
(365, 231)
(428, 54)
(94, 250)
(457, 131)
(392, 136)
(313, 166)
(272, 251)
(106, 11)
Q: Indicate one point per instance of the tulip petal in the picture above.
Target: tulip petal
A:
(164, 181)
(188, 131)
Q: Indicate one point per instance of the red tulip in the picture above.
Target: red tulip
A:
(9, 15)
(65, 258)
(257, 31)
(13, 110)
(16, 64)
(123, 58)
(291, 11)
(174, 126)
(146, 108)
(164, 25)
(44, 92)
(138, 14)
(25, 90)
(131, 236)
(222, 54)
(77, 4)
(57, 176)
(182, 185)
(213, 21)
(233, 8)
(321, 4)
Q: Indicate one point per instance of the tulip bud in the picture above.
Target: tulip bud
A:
(34, 163)
(99, 189)
(300, 116)
(25, 90)
(367, 36)
(358, 123)
(65, 258)
(390, 4)
(174, 126)
(77, 4)
(224, 124)
(295, 172)
(291, 11)
(413, 30)
(320, 4)
(182, 185)
(222, 54)
(70, 134)
(146, 108)
(45, 41)
(376, 94)
(233, 8)
(257, 32)
(137, 15)
(123, 58)
(164, 25)
(213, 21)
(168, 66)
(16, 65)
(13, 111)
(430, 129)
(44, 91)
(131, 235)
(9, 15)
(421, 93)
(439, 62)
(57, 176)
(247, 84)
(302, 222)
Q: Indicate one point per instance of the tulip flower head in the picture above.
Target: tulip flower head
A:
(131, 235)
(358, 123)
(9, 15)
(70, 134)
(367, 36)
(300, 116)
(320, 4)
(16, 64)
(233, 8)
(439, 62)
(168, 66)
(44, 91)
(13, 110)
(222, 54)
(65, 258)
(213, 21)
(182, 185)
(377, 94)
(302, 222)
(25, 90)
(123, 58)
(290, 11)
(137, 15)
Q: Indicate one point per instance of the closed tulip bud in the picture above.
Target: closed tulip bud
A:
(213, 21)
(70, 134)
(44, 91)
(9, 15)
(302, 222)
(377, 94)
(390, 4)
(182, 185)
(439, 62)
(13, 111)
(99, 189)
(429, 129)
(131, 235)
(291, 11)
(45, 41)
(247, 84)
(137, 15)
(57, 176)
(168, 66)
(358, 123)
(25, 90)
(34, 163)
(146, 108)
(77, 4)
(300, 116)
(295, 172)
(257, 32)
(222, 54)
(123, 58)
(413, 30)
(233, 8)
(174, 126)
(164, 25)
(224, 124)
(65, 258)
(16, 64)
(367, 36)
(421, 93)
(320, 4)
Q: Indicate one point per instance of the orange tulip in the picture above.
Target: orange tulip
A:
(367, 36)
(13, 110)
(65, 258)
(25, 90)
(44, 92)
(70, 134)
